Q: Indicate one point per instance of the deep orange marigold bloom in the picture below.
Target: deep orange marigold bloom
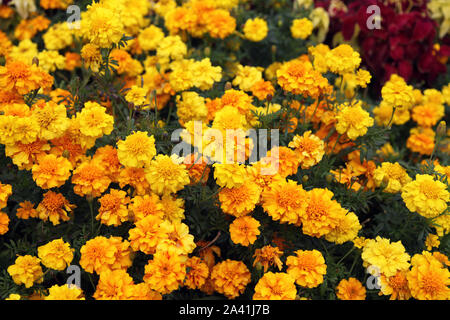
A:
(230, 277)
(307, 267)
(350, 289)
(51, 171)
(54, 207)
(197, 274)
(90, 179)
(244, 230)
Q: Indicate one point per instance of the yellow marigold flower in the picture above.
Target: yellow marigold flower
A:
(350, 289)
(54, 207)
(244, 230)
(147, 234)
(51, 60)
(94, 121)
(101, 26)
(255, 29)
(150, 37)
(51, 171)
(137, 150)
(321, 214)
(275, 286)
(396, 286)
(147, 205)
(397, 93)
(363, 78)
(317, 56)
(113, 209)
(299, 77)
(220, 24)
(230, 278)
(56, 254)
(393, 175)
(432, 241)
(98, 255)
(301, 28)
(90, 179)
(353, 121)
(387, 257)
(205, 74)
(426, 196)
(64, 292)
(246, 77)
(428, 279)
(307, 267)
(268, 256)
(14, 296)
(58, 37)
(421, 140)
(342, 59)
(26, 270)
(229, 175)
(427, 115)
(91, 56)
(197, 273)
(26, 210)
(284, 201)
(383, 114)
(5, 192)
(51, 119)
(136, 95)
(114, 285)
(346, 229)
(239, 201)
(191, 106)
(309, 148)
(4, 223)
(360, 242)
(171, 47)
(173, 207)
(166, 174)
(167, 271)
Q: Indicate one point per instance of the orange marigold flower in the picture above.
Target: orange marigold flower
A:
(54, 207)
(239, 201)
(147, 234)
(220, 24)
(19, 77)
(268, 256)
(24, 156)
(51, 171)
(350, 289)
(166, 272)
(287, 160)
(113, 209)
(26, 210)
(114, 285)
(5, 192)
(307, 267)
(230, 277)
(244, 230)
(108, 156)
(275, 286)
(90, 179)
(309, 148)
(262, 89)
(147, 205)
(4, 223)
(197, 273)
(421, 140)
(285, 201)
(396, 286)
(135, 178)
(321, 214)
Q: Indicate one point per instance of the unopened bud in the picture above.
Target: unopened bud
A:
(228, 86)
(269, 97)
(207, 51)
(305, 178)
(441, 129)
(329, 178)
(35, 61)
(66, 154)
(274, 49)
